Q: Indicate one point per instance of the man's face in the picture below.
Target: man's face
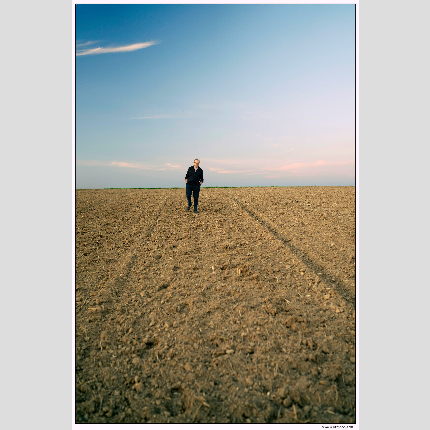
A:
(196, 163)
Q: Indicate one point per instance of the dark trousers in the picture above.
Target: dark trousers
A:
(195, 190)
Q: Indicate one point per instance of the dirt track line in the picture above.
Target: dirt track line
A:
(129, 259)
(339, 286)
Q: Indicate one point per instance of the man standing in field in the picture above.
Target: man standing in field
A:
(193, 180)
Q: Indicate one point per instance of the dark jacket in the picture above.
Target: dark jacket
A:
(194, 176)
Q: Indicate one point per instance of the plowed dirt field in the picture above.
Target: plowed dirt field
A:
(243, 313)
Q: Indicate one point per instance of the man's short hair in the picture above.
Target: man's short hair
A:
(196, 159)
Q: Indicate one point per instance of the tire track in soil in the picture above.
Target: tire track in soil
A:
(96, 325)
(124, 265)
(330, 279)
(130, 258)
(113, 203)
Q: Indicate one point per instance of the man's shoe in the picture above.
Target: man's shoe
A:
(196, 211)
(188, 208)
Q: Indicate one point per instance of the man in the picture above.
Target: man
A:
(193, 180)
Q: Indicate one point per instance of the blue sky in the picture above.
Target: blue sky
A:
(261, 94)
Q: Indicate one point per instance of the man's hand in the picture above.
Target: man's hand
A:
(186, 180)
(201, 182)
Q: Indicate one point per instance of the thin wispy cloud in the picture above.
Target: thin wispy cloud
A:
(320, 167)
(165, 166)
(247, 172)
(80, 44)
(123, 164)
(126, 48)
(91, 163)
(300, 166)
(272, 170)
(127, 165)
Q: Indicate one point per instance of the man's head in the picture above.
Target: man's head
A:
(196, 162)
